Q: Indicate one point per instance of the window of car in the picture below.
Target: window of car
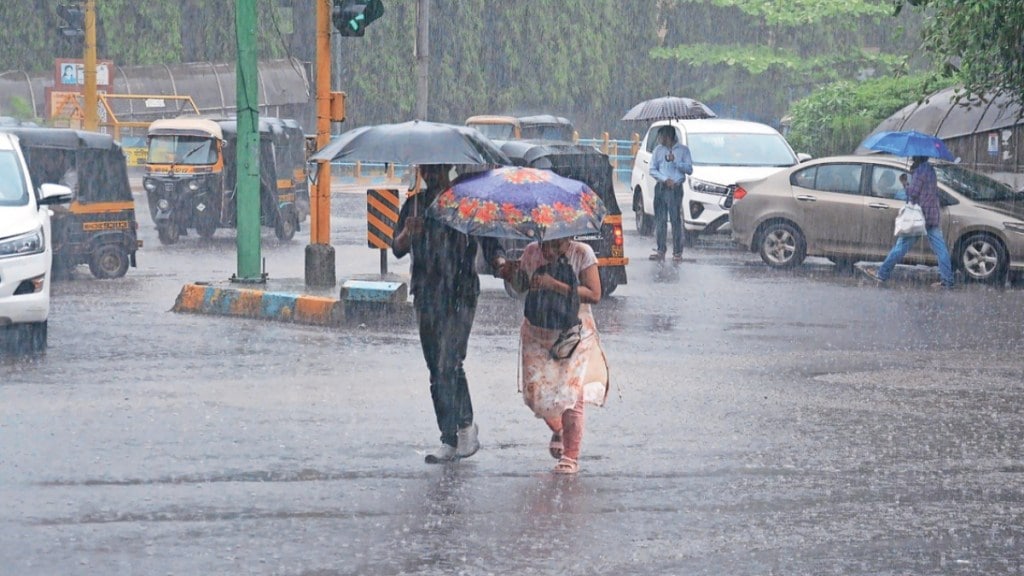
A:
(13, 191)
(885, 183)
(842, 178)
(739, 149)
(975, 186)
(496, 131)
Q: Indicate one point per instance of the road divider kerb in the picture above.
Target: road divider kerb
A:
(198, 298)
(358, 302)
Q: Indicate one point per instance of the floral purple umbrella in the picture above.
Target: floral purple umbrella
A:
(519, 203)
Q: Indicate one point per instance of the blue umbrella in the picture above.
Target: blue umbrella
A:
(908, 143)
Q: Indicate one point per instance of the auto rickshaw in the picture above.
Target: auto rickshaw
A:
(290, 157)
(98, 227)
(592, 167)
(191, 175)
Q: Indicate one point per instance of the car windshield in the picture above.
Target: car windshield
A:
(13, 191)
(975, 186)
(541, 132)
(495, 131)
(181, 150)
(731, 149)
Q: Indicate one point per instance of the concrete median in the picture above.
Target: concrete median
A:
(358, 302)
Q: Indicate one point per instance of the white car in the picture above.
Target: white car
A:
(723, 152)
(25, 251)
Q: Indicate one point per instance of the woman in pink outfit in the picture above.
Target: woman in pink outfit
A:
(557, 389)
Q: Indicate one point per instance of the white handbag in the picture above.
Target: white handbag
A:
(910, 221)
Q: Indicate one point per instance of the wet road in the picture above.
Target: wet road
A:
(802, 422)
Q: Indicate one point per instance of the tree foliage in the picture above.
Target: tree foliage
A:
(982, 39)
(590, 60)
(835, 118)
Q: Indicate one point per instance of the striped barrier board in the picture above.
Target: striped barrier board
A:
(381, 217)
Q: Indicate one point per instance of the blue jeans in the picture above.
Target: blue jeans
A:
(905, 243)
(667, 205)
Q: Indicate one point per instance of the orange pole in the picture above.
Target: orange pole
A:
(320, 208)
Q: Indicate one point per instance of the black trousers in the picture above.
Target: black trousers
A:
(444, 337)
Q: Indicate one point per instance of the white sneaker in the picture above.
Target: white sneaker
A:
(468, 442)
(443, 454)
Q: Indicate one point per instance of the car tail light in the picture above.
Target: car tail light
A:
(739, 193)
(617, 234)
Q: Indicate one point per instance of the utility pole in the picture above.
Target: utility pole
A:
(90, 121)
(320, 268)
(422, 58)
(248, 158)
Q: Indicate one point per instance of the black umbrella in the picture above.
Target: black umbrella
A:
(668, 108)
(415, 142)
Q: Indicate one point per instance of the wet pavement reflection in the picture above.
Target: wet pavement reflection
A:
(760, 422)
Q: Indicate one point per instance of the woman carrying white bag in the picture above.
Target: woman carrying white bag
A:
(922, 203)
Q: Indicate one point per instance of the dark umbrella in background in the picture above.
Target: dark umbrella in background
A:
(415, 142)
(520, 203)
(908, 143)
(669, 108)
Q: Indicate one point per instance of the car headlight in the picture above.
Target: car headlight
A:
(23, 244)
(193, 185)
(149, 185)
(163, 204)
(705, 187)
(1017, 227)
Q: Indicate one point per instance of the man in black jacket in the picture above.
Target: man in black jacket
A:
(445, 287)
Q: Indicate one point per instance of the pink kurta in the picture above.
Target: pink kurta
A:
(551, 386)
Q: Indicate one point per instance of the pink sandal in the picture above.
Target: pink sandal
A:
(555, 447)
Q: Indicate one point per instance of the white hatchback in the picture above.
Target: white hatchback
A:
(723, 151)
(25, 251)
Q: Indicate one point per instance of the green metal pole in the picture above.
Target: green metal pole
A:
(248, 197)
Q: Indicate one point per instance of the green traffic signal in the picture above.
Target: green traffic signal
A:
(351, 17)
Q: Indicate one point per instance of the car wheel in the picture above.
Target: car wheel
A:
(983, 258)
(28, 339)
(782, 245)
(109, 261)
(168, 233)
(285, 226)
(206, 227)
(644, 221)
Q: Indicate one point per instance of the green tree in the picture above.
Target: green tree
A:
(983, 40)
(836, 118)
(762, 55)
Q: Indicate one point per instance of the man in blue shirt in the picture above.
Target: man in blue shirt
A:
(669, 167)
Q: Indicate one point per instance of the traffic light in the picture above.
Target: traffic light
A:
(74, 15)
(351, 17)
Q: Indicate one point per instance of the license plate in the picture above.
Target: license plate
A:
(591, 236)
(168, 186)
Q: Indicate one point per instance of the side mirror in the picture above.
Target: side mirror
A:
(54, 194)
(803, 157)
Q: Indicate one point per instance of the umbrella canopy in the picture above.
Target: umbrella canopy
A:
(414, 142)
(908, 143)
(520, 203)
(668, 108)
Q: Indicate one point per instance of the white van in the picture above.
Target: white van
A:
(25, 250)
(723, 152)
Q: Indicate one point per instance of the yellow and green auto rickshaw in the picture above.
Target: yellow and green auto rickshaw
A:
(191, 176)
(98, 227)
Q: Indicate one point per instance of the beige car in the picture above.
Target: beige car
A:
(844, 208)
